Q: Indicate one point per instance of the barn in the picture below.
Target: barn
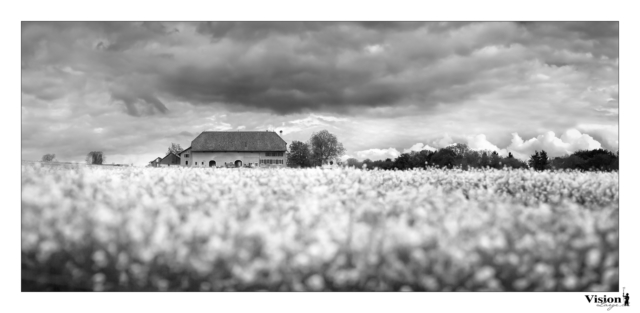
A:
(170, 159)
(235, 148)
(155, 162)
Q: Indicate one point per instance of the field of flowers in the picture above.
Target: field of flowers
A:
(188, 229)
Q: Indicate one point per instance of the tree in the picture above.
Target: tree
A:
(96, 157)
(387, 164)
(460, 149)
(534, 160)
(353, 162)
(175, 149)
(48, 157)
(570, 162)
(544, 160)
(539, 160)
(472, 159)
(325, 147)
(444, 157)
(510, 156)
(403, 161)
(484, 160)
(513, 163)
(299, 154)
(421, 158)
(495, 160)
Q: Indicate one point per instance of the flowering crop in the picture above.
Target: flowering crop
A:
(96, 228)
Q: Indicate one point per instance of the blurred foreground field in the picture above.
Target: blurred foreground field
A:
(193, 229)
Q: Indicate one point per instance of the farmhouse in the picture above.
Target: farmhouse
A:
(235, 148)
(155, 162)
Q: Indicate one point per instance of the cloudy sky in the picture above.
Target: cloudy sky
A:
(131, 89)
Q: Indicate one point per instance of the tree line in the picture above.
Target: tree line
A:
(460, 156)
(454, 156)
(93, 157)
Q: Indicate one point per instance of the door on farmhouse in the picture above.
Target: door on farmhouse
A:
(212, 163)
(238, 163)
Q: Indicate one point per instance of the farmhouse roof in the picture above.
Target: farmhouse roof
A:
(170, 153)
(238, 141)
(183, 151)
(158, 159)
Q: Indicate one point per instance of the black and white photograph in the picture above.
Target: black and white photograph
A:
(435, 157)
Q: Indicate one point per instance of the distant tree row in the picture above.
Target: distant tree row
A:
(586, 160)
(460, 156)
(93, 157)
(322, 148)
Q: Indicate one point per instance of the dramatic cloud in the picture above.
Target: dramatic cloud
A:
(571, 141)
(480, 142)
(378, 154)
(131, 87)
(418, 147)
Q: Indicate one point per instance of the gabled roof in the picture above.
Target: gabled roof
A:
(183, 151)
(158, 159)
(171, 153)
(238, 141)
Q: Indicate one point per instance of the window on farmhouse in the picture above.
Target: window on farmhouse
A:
(187, 163)
(186, 155)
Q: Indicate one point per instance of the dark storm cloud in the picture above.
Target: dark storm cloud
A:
(595, 38)
(135, 102)
(291, 88)
(256, 30)
(289, 67)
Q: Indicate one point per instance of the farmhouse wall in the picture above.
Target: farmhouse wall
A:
(201, 159)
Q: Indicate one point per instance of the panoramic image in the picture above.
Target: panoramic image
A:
(320, 156)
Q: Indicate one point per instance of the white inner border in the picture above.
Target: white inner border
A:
(14, 12)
